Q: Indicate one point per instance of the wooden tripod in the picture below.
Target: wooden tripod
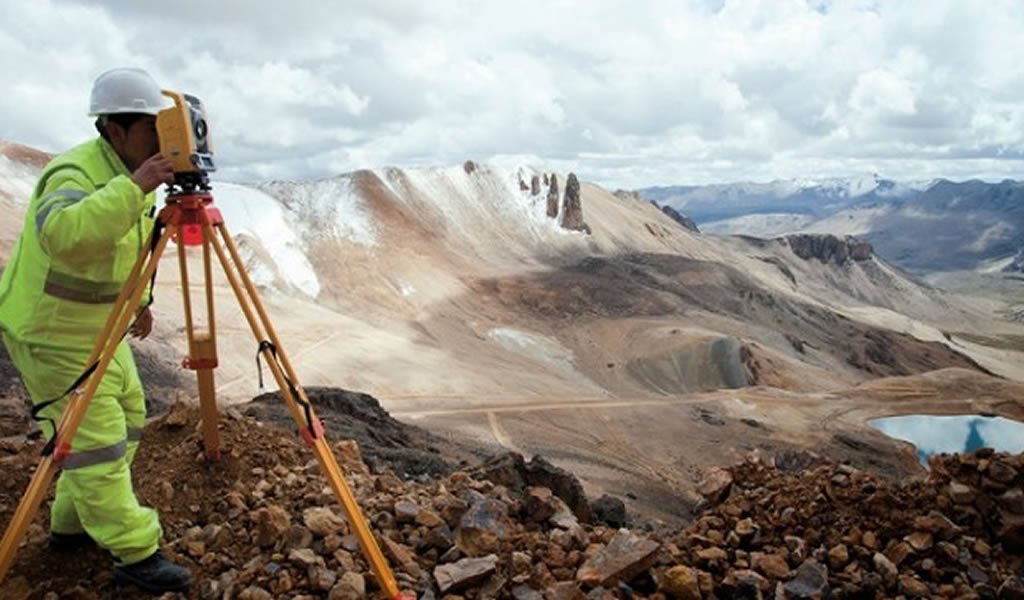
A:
(191, 218)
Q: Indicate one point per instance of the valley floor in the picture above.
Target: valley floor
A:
(651, 452)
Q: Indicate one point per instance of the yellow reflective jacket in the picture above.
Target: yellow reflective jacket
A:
(85, 227)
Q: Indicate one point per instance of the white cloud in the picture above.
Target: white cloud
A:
(627, 94)
(883, 93)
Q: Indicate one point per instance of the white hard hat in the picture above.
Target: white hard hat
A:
(125, 90)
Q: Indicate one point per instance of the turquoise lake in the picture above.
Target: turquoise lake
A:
(948, 434)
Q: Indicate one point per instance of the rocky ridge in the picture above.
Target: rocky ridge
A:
(828, 248)
(572, 207)
(680, 218)
(672, 213)
(263, 524)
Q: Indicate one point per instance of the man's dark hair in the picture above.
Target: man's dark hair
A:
(125, 120)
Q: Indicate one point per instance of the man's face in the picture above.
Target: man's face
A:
(136, 143)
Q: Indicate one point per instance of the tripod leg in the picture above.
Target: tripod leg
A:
(120, 318)
(202, 350)
(206, 351)
(293, 393)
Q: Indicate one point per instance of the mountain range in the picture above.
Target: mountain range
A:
(933, 226)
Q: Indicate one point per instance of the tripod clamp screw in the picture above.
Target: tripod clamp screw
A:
(195, 364)
(61, 450)
(313, 432)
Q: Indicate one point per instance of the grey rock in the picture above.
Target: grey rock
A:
(810, 582)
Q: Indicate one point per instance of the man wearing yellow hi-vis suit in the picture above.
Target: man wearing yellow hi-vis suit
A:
(86, 225)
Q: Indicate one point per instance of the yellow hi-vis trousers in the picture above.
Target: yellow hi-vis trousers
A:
(94, 491)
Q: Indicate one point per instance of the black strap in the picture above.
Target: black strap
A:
(158, 229)
(306, 408)
(52, 442)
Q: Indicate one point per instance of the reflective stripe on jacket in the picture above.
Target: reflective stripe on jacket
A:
(85, 227)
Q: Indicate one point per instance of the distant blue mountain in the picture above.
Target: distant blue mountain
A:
(937, 225)
(818, 199)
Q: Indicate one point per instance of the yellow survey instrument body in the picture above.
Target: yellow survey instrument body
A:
(185, 137)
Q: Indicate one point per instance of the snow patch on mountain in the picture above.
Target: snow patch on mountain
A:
(851, 187)
(253, 212)
(328, 209)
(479, 196)
(844, 187)
(535, 347)
(17, 180)
(482, 209)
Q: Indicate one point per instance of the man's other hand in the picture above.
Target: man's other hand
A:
(143, 325)
(154, 171)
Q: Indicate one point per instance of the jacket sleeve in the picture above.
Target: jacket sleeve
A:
(74, 219)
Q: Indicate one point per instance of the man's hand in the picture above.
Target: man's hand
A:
(143, 325)
(154, 171)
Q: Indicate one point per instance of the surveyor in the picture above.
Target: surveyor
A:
(87, 222)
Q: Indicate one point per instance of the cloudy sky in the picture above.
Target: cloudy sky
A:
(626, 93)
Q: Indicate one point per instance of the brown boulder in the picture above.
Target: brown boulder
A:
(716, 484)
(1012, 501)
(681, 583)
(323, 522)
(626, 556)
(770, 565)
(271, 524)
(914, 588)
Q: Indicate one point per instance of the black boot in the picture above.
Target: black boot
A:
(69, 542)
(154, 574)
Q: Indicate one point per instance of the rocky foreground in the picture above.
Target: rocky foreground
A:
(262, 524)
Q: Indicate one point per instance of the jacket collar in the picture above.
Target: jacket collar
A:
(113, 160)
